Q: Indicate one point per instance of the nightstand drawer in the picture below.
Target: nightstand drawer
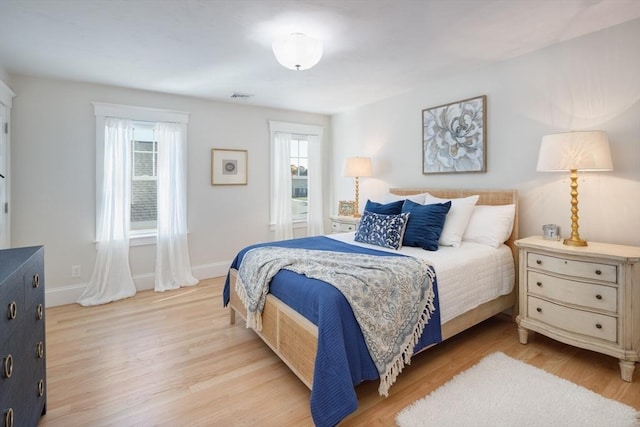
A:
(569, 267)
(590, 295)
(572, 320)
(340, 227)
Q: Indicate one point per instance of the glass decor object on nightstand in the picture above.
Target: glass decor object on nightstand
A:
(551, 232)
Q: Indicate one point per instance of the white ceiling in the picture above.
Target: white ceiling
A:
(373, 49)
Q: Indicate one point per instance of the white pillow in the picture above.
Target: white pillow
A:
(490, 225)
(418, 198)
(457, 219)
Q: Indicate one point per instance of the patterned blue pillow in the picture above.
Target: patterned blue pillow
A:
(382, 230)
(426, 224)
(393, 208)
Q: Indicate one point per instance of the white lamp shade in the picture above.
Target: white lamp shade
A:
(582, 150)
(357, 166)
(297, 51)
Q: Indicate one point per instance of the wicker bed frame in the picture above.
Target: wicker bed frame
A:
(294, 338)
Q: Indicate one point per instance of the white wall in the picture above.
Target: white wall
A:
(592, 82)
(53, 182)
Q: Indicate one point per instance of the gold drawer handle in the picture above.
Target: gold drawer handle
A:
(39, 350)
(598, 296)
(539, 310)
(8, 418)
(598, 325)
(36, 280)
(40, 388)
(12, 312)
(7, 366)
(39, 312)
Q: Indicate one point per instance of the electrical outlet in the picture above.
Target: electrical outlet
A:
(75, 271)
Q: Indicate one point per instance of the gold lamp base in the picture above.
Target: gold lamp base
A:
(574, 242)
(575, 239)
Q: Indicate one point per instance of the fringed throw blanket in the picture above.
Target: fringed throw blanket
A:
(391, 297)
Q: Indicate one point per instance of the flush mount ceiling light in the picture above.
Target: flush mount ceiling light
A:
(297, 51)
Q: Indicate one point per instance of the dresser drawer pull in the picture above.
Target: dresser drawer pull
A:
(598, 296)
(8, 418)
(40, 388)
(12, 311)
(7, 366)
(598, 325)
(598, 272)
(39, 312)
(538, 261)
(539, 284)
(539, 310)
(39, 350)
(36, 280)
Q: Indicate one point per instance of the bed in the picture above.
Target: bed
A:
(297, 341)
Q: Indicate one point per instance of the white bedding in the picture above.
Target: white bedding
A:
(467, 276)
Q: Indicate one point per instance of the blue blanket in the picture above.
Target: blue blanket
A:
(342, 358)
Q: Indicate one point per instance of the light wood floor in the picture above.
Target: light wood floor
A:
(173, 359)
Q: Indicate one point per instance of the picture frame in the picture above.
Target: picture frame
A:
(346, 208)
(228, 166)
(454, 137)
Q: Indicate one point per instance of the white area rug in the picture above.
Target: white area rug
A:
(503, 392)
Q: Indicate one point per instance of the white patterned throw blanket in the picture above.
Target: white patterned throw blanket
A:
(392, 297)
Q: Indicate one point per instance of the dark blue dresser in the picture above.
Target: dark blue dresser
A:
(23, 385)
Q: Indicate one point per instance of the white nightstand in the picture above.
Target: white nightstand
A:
(588, 297)
(343, 224)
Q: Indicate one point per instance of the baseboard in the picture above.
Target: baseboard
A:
(69, 294)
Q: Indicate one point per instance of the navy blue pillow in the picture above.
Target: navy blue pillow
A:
(393, 208)
(425, 224)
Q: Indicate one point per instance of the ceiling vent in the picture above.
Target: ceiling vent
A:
(239, 95)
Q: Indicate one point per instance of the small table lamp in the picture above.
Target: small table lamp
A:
(574, 151)
(357, 167)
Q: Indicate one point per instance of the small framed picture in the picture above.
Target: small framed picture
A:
(228, 167)
(346, 207)
(550, 232)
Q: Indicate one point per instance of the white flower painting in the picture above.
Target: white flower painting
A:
(454, 137)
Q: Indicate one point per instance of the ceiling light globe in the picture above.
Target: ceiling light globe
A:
(297, 51)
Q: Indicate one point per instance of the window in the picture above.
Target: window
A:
(144, 178)
(296, 178)
(144, 163)
(299, 177)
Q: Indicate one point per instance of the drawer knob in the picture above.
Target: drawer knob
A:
(598, 296)
(539, 310)
(12, 310)
(39, 350)
(598, 325)
(39, 312)
(538, 261)
(7, 366)
(598, 272)
(40, 388)
(8, 418)
(539, 284)
(36, 280)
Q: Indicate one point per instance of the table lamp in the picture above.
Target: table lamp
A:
(357, 167)
(573, 152)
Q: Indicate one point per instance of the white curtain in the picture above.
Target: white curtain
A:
(315, 220)
(111, 278)
(281, 198)
(173, 265)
